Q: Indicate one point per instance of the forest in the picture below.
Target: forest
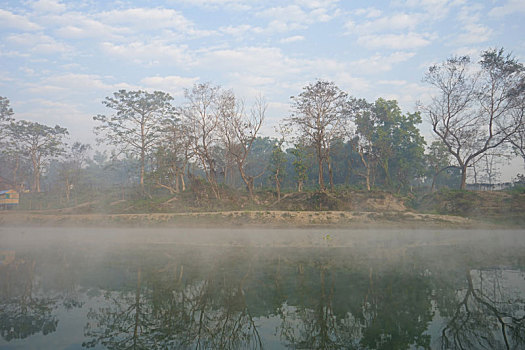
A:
(212, 143)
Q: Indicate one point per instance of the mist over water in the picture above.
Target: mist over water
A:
(319, 288)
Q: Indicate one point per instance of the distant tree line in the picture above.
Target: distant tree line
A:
(213, 140)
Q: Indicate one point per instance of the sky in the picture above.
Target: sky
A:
(60, 59)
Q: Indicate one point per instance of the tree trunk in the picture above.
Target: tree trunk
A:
(142, 161)
(321, 178)
(182, 182)
(331, 175)
(433, 182)
(278, 186)
(463, 185)
(299, 185)
(15, 172)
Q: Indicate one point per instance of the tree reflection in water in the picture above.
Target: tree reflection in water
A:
(490, 313)
(239, 298)
(167, 311)
(21, 312)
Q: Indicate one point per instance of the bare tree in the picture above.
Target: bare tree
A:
(239, 131)
(517, 140)
(319, 114)
(475, 109)
(172, 155)
(201, 118)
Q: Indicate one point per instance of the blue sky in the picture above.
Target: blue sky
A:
(59, 59)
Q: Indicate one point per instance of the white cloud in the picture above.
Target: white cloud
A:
(395, 41)
(10, 20)
(74, 25)
(433, 9)
(38, 43)
(148, 19)
(511, 7)
(241, 30)
(473, 32)
(379, 63)
(238, 5)
(47, 6)
(292, 39)
(173, 84)
(395, 22)
(369, 12)
(299, 15)
(153, 52)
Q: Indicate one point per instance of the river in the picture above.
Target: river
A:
(317, 288)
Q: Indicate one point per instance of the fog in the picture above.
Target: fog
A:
(261, 288)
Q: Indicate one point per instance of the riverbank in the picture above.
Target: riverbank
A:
(277, 219)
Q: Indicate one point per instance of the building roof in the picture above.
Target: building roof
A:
(8, 191)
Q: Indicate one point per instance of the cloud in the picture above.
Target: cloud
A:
(173, 84)
(47, 6)
(473, 32)
(380, 63)
(241, 30)
(433, 9)
(150, 19)
(292, 39)
(10, 20)
(66, 85)
(396, 22)
(369, 12)
(38, 43)
(237, 5)
(299, 15)
(511, 7)
(74, 25)
(152, 52)
(395, 41)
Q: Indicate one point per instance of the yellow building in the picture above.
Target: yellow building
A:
(8, 199)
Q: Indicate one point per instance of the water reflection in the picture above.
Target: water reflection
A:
(167, 296)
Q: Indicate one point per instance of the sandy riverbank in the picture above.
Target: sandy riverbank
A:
(344, 219)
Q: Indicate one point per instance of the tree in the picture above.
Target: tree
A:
(39, 143)
(437, 160)
(6, 113)
(277, 166)
(172, 155)
(201, 117)
(135, 125)
(517, 140)
(389, 139)
(299, 164)
(476, 110)
(319, 114)
(70, 168)
(239, 132)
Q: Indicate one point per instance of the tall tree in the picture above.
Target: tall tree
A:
(6, 113)
(299, 165)
(277, 166)
(70, 168)
(172, 155)
(239, 131)
(201, 117)
(475, 108)
(39, 143)
(135, 124)
(319, 114)
(437, 160)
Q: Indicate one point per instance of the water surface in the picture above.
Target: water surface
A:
(314, 289)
